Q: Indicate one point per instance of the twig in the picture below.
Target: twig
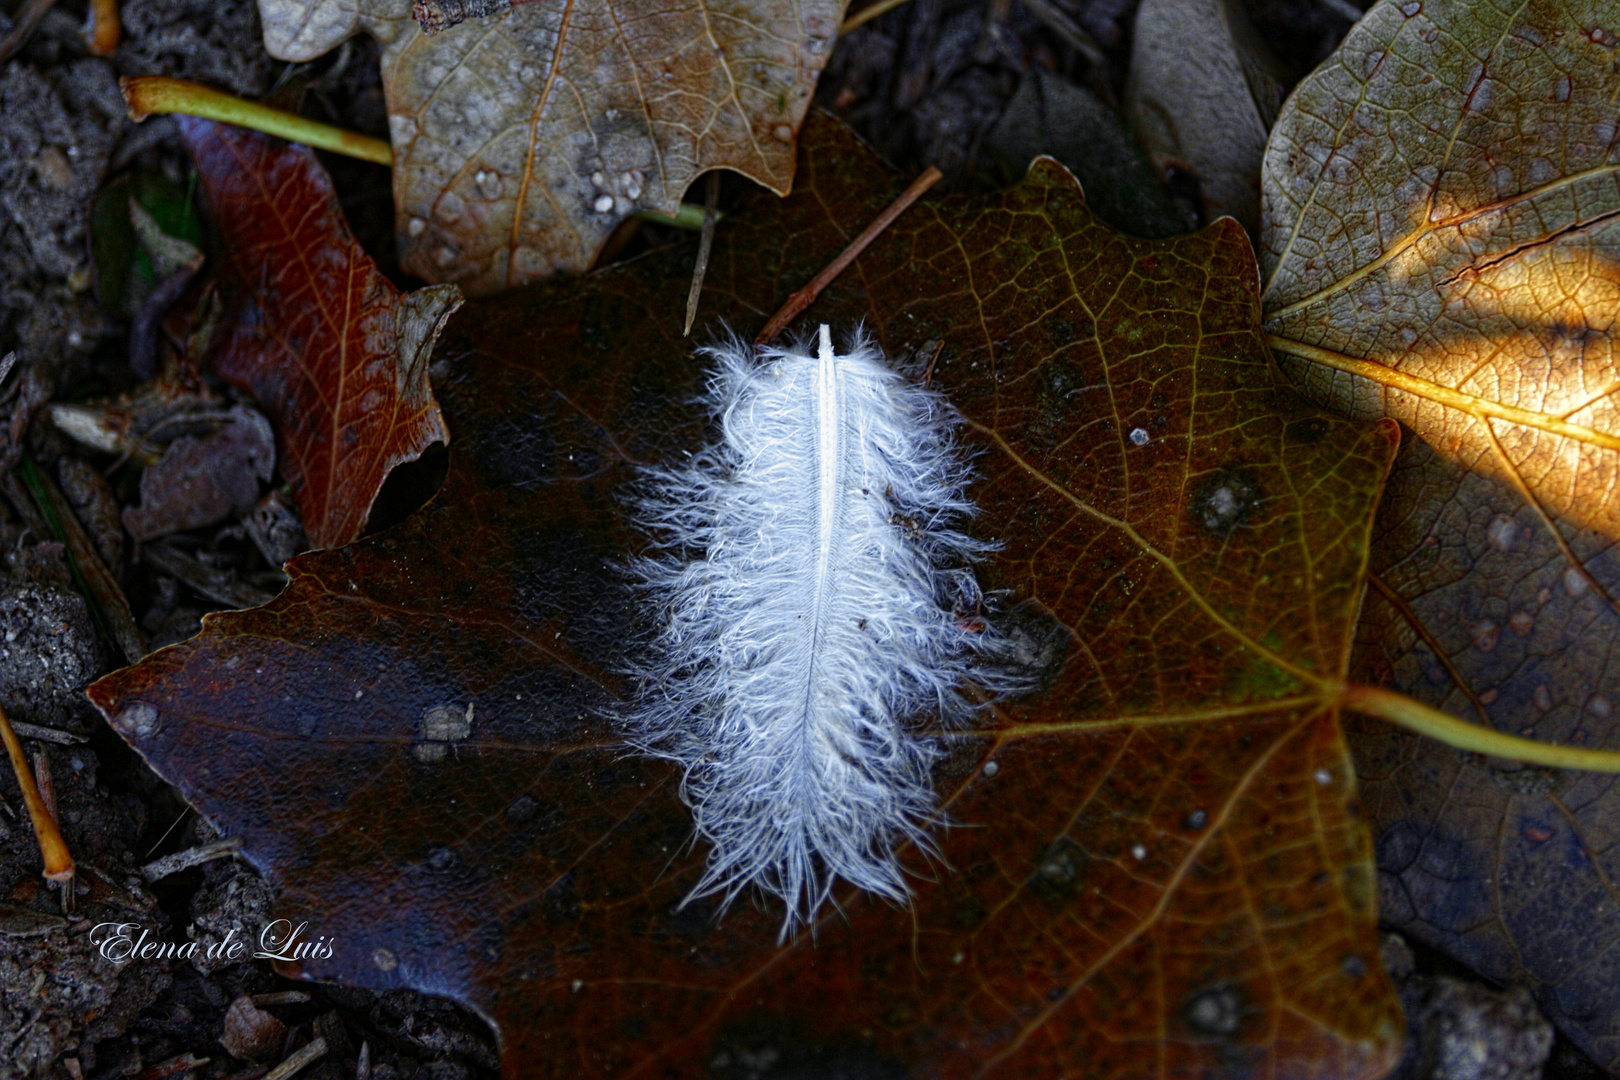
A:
(212, 583)
(158, 869)
(868, 13)
(46, 781)
(101, 36)
(701, 267)
(17, 496)
(58, 862)
(279, 997)
(174, 1066)
(153, 94)
(1065, 28)
(806, 296)
(27, 19)
(47, 734)
(928, 372)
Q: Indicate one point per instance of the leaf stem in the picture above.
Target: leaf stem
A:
(23, 27)
(150, 95)
(109, 608)
(1443, 727)
(153, 94)
(58, 861)
(105, 29)
(688, 216)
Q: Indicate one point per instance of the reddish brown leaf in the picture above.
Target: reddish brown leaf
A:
(333, 352)
(1157, 867)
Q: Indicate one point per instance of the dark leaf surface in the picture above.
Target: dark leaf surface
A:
(1156, 867)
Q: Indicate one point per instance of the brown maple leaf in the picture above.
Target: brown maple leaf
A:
(1155, 862)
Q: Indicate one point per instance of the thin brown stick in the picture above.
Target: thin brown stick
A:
(1065, 28)
(58, 862)
(806, 296)
(711, 200)
(46, 781)
(928, 372)
(105, 28)
(27, 19)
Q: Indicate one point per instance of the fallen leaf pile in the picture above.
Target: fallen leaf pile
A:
(410, 740)
(1160, 856)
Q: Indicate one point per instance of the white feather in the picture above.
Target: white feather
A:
(806, 567)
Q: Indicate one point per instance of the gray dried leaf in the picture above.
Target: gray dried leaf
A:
(1202, 94)
(521, 141)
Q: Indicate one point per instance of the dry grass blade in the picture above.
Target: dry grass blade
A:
(308, 1054)
(93, 576)
(868, 13)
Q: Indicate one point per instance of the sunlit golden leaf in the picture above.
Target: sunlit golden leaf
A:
(1441, 244)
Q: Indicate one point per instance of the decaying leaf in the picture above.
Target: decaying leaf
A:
(1156, 858)
(1203, 91)
(202, 479)
(521, 141)
(333, 352)
(1441, 245)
